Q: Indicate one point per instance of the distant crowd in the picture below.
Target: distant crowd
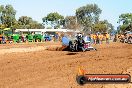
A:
(97, 38)
(124, 37)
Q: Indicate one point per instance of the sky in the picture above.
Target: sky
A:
(37, 9)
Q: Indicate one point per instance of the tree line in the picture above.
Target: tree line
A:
(125, 22)
(8, 20)
(86, 18)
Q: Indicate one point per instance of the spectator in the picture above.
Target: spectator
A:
(22, 38)
(56, 37)
(107, 38)
(94, 38)
(97, 39)
(100, 38)
(3, 39)
(115, 38)
(43, 37)
(92, 41)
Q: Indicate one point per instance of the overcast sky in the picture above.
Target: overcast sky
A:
(111, 9)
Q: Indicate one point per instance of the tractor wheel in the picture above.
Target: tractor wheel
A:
(38, 40)
(130, 40)
(83, 49)
(71, 47)
(95, 49)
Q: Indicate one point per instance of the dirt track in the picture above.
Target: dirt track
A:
(58, 69)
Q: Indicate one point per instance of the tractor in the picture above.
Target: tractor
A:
(38, 37)
(30, 37)
(7, 36)
(77, 44)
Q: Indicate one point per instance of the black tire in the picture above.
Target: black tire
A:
(83, 49)
(81, 80)
(129, 40)
(71, 47)
(95, 49)
(38, 40)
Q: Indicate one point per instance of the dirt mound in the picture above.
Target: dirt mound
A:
(18, 50)
(57, 48)
(54, 48)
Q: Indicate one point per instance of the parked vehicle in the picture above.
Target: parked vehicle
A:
(38, 37)
(16, 38)
(30, 37)
(47, 38)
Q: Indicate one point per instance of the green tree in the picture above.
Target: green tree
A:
(53, 19)
(35, 25)
(88, 15)
(7, 19)
(125, 18)
(29, 23)
(103, 26)
(24, 21)
(7, 15)
(1, 13)
(99, 27)
(110, 27)
(125, 21)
